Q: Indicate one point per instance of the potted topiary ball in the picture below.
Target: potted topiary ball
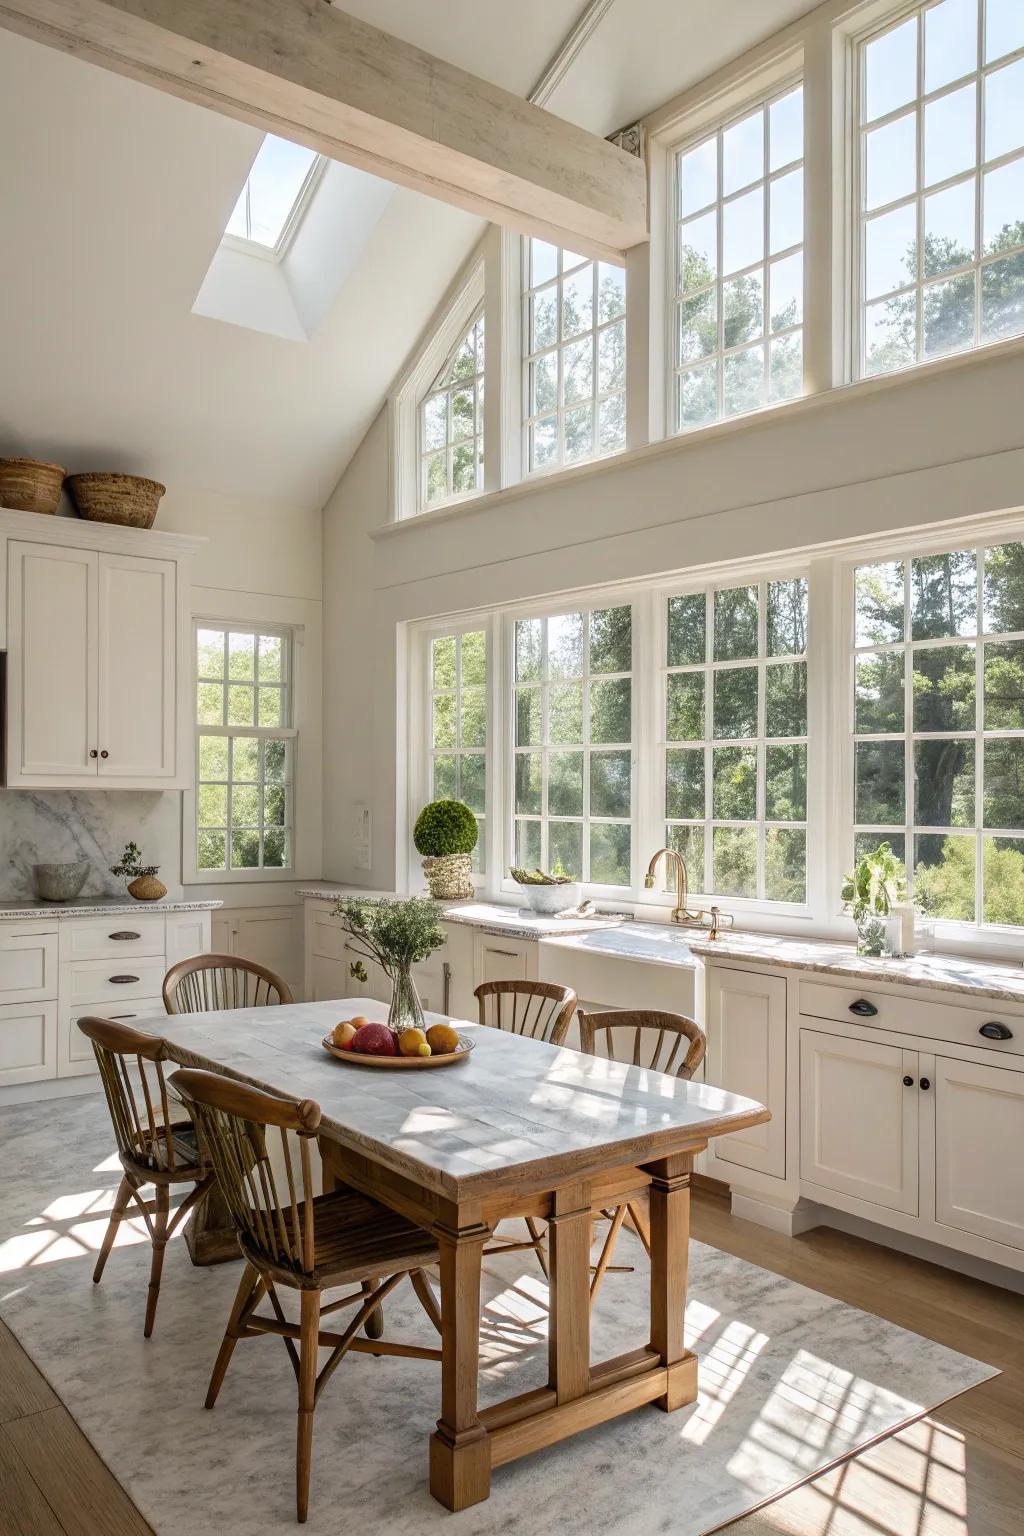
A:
(446, 833)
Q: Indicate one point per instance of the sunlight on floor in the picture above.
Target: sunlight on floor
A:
(59, 1232)
(723, 1369)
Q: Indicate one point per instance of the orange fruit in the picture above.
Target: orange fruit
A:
(442, 1039)
(410, 1040)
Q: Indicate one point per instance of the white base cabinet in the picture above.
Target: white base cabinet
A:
(979, 1150)
(272, 936)
(54, 973)
(746, 1054)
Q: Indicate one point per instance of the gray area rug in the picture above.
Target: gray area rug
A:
(791, 1381)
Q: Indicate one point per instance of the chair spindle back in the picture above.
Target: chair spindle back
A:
(539, 1010)
(660, 1042)
(235, 1124)
(210, 983)
(138, 1104)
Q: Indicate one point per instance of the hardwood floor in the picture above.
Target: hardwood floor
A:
(958, 1473)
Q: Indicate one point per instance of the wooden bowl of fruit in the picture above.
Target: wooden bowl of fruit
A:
(362, 1044)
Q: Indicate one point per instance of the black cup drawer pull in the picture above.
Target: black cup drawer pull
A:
(122, 981)
(996, 1031)
(863, 1009)
(908, 1081)
(123, 934)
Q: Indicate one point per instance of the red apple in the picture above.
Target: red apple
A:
(374, 1040)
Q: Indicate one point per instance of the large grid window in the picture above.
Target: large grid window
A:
(739, 269)
(574, 349)
(458, 726)
(245, 765)
(941, 182)
(451, 424)
(573, 733)
(938, 717)
(735, 777)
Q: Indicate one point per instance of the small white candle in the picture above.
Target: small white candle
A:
(904, 910)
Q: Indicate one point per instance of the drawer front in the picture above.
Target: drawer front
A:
(112, 938)
(28, 1042)
(28, 965)
(328, 937)
(75, 1055)
(909, 1012)
(107, 982)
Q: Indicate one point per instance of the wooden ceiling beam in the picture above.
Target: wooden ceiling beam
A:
(307, 71)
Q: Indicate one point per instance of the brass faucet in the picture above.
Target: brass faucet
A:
(710, 921)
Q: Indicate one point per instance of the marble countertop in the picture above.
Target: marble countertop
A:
(516, 1107)
(493, 917)
(940, 973)
(96, 906)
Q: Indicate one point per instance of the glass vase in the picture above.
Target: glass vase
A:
(406, 1010)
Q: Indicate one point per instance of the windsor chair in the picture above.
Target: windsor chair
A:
(660, 1042)
(206, 983)
(153, 1148)
(293, 1238)
(537, 1010)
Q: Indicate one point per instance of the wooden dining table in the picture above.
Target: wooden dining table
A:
(519, 1128)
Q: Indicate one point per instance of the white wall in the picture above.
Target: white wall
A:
(901, 453)
(262, 562)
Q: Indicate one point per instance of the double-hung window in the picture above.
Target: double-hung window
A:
(574, 357)
(938, 719)
(735, 758)
(940, 182)
(737, 312)
(245, 749)
(451, 424)
(458, 726)
(572, 744)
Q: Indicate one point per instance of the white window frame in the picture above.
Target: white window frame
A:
(882, 20)
(448, 388)
(782, 85)
(977, 933)
(557, 350)
(276, 253)
(797, 569)
(191, 873)
(584, 603)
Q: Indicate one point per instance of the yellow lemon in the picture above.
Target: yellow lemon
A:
(423, 1050)
(442, 1039)
(410, 1041)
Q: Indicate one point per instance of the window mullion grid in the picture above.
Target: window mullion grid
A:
(979, 725)
(909, 806)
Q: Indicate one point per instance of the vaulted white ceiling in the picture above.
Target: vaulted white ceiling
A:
(114, 198)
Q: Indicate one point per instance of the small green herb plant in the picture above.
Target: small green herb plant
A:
(869, 891)
(445, 827)
(396, 934)
(130, 865)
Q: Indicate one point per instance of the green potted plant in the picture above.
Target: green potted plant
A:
(139, 878)
(445, 834)
(870, 891)
(397, 935)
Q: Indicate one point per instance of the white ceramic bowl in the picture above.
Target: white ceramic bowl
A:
(545, 900)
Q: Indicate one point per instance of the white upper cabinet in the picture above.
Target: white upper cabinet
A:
(96, 639)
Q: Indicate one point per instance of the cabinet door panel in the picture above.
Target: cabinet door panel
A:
(136, 667)
(858, 1120)
(504, 959)
(28, 964)
(28, 1042)
(747, 1055)
(52, 655)
(979, 1137)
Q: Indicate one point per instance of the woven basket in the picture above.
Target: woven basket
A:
(29, 485)
(450, 877)
(126, 499)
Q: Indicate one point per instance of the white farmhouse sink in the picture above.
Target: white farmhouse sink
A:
(648, 941)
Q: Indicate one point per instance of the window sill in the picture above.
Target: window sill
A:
(484, 501)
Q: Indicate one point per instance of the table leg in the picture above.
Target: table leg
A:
(569, 1292)
(209, 1232)
(670, 1244)
(460, 1453)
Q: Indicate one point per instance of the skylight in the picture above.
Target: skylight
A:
(274, 194)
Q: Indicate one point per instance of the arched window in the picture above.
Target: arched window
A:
(451, 423)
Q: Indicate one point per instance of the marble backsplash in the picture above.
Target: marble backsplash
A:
(49, 827)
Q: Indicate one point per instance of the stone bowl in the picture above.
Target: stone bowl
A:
(546, 900)
(60, 882)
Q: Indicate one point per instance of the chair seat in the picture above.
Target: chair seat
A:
(355, 1237)
(187, 1161)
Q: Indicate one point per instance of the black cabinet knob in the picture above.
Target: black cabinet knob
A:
(995, 1031)
(104, 754)
(863, 1009)
(94, 753)
(926, 1083)
(908, 1081)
